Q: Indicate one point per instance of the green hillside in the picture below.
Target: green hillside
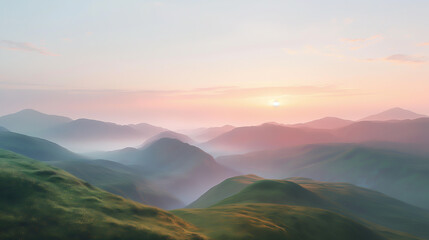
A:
(347, 199)
(121, 180)
(41, 202)
(280, 222)
(223, 190)
(277, 191)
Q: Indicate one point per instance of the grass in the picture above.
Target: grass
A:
(41, 202)
(360, 204)
(279, 222)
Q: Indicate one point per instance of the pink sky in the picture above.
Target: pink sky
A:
(190, 63)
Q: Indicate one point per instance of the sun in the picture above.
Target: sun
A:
(275, 103)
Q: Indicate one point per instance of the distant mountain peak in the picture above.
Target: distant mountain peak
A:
(325, 123)
(395, 113)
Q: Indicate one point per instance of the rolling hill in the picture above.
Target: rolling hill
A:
(349, 200)
(279, 222)
(223, 190)
(387, 171)
(120, 180)
(42, 202)
(110, 176)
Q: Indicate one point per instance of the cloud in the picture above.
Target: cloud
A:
(24, 46)
(400, 59)
(403, 58)
(423, 44)
(406, 58)
(358, 43)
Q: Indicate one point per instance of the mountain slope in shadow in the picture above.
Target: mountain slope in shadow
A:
(387, 171)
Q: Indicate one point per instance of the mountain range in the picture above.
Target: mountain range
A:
(387, 171)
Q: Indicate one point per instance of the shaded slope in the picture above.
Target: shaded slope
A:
(179, 168)
(36, 148)
(389, 172)
(121, 180)
(272, 221)
(41, 202)
(176, 167)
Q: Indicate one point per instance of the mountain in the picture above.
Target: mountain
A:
(206, 134)
(42, 202)
(279, 222)
(394, 114)
(147, 130)
(324, 123)
(36, 148)
(90, 130)
(347, 199)
(223, 190)
(88, 135)
(390, 172)
(169, 134)
(2, 129)
(121, 180)
(176, 167)
(415, 132)
(279, 192)
(31, 122)
(266, 136)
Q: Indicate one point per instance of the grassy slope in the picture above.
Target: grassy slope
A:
(41, 202)
(223, 190)
(272, 221)
(119, 179)
(355, 202)
(279, 192)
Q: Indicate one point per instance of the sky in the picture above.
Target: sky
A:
(189, 63)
